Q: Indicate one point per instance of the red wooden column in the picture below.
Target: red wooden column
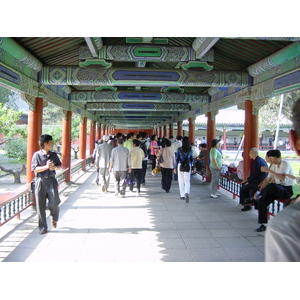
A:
(192, 129)
(92, 136)
(98, 132)
(66, 144)
(102, 130)
(224, 139)
(211, 134)
(35, 119)
(179, 128)
(82, 141)
(251, 136)
(171, 129)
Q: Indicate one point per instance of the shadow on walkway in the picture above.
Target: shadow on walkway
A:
(153, 227)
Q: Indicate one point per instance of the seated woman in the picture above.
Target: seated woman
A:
(200, 160)
(233, 172)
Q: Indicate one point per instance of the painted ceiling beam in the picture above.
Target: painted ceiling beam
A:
(147, 40)
(142, 122)
(282, 56)
(62, 75)
(202, 45)
(125, 114)
(18, 52)
(153, 53)
(92, 46)
(136, 106)
(291, 39)
(120, 96)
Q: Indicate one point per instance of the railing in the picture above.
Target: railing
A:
(13, 203)
(230, 186)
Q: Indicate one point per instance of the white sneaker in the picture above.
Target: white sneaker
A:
(218, 194)
(214, 196)
(116, 194)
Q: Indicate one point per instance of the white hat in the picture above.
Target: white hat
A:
(105, 138)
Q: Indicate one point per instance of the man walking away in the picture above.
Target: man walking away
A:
(120, 164)
(144, 146)
(102, 159)
(136, 158)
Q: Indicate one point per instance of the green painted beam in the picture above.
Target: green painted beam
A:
(280, 57)
(202, 45)
(136, 106)
(62, 75)
(154, 53)
(121, 96)
(17, 51)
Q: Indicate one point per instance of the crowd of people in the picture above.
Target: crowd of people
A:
(126, 157)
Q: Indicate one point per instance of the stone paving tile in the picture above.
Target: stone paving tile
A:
(236, 242)
(194, 233)
(155, 227)
(202, 242)
(216, 224)
(224, 233)
(210, 255)
(245, 254)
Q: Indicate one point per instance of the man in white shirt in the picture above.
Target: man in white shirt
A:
(275, 186)
(282, 239)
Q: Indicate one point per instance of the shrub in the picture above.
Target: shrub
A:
(16, 148)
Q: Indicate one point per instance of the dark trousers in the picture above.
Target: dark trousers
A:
(120, 184)
(153, 159)
(46, 188)
(166, 178)
(137, 176)
(247, 190)
(144, 170)
(270, 193)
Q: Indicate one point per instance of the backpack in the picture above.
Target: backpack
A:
(185, 166)
(144, 148)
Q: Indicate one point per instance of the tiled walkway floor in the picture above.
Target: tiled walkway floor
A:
(154, 227)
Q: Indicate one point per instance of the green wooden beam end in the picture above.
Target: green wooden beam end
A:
(143, 40)
(95, 62)
(197, 64)
(110, 88)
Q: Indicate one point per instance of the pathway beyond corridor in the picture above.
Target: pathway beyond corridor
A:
(152, 227)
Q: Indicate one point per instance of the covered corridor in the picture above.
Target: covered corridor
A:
(154, 227)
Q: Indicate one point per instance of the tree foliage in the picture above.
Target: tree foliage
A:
(8, 97)
(268, 114)
(8, 119)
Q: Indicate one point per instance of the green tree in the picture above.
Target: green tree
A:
(8, 97)
(268, 114)
(52, 115)
(8, 119)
